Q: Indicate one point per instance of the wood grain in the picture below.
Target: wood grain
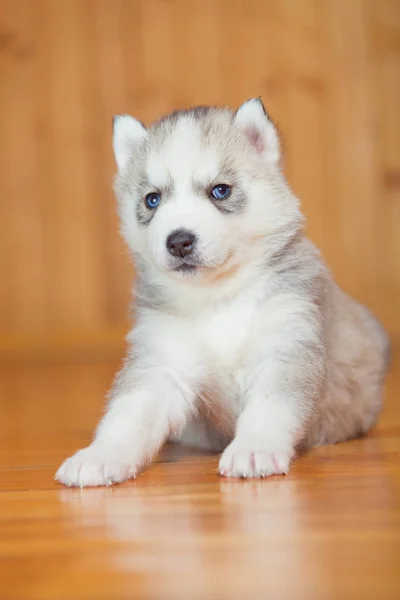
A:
(328, 530)
(329, 73)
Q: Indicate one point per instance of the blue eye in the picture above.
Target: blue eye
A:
(220, 191)
(152, 200)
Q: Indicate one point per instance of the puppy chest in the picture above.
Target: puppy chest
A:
(225, 334)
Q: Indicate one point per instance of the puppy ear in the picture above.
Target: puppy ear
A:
(253, 120)
(127, 134)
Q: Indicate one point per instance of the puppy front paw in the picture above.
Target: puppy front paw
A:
(96, 465)
(247, 460)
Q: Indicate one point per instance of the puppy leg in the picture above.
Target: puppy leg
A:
(265, 440)
(153, 396)
(279, 403)
(134, 427)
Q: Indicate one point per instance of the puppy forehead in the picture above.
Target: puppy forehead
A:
(184, 154)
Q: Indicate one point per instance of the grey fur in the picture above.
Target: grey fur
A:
(144, 214)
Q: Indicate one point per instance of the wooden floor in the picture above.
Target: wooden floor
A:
(328, 530)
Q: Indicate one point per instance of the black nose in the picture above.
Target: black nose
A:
(181, 243)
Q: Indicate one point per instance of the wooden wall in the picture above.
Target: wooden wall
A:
(328, 71)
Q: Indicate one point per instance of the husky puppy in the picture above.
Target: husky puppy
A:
(242, 342)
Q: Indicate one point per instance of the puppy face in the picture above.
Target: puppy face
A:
(198, 188)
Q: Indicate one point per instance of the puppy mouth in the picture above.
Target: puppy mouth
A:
(192, 266)
(185, 267)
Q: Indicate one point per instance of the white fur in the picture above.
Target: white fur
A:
(251, 117)
(258, 352)
(127, 134)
